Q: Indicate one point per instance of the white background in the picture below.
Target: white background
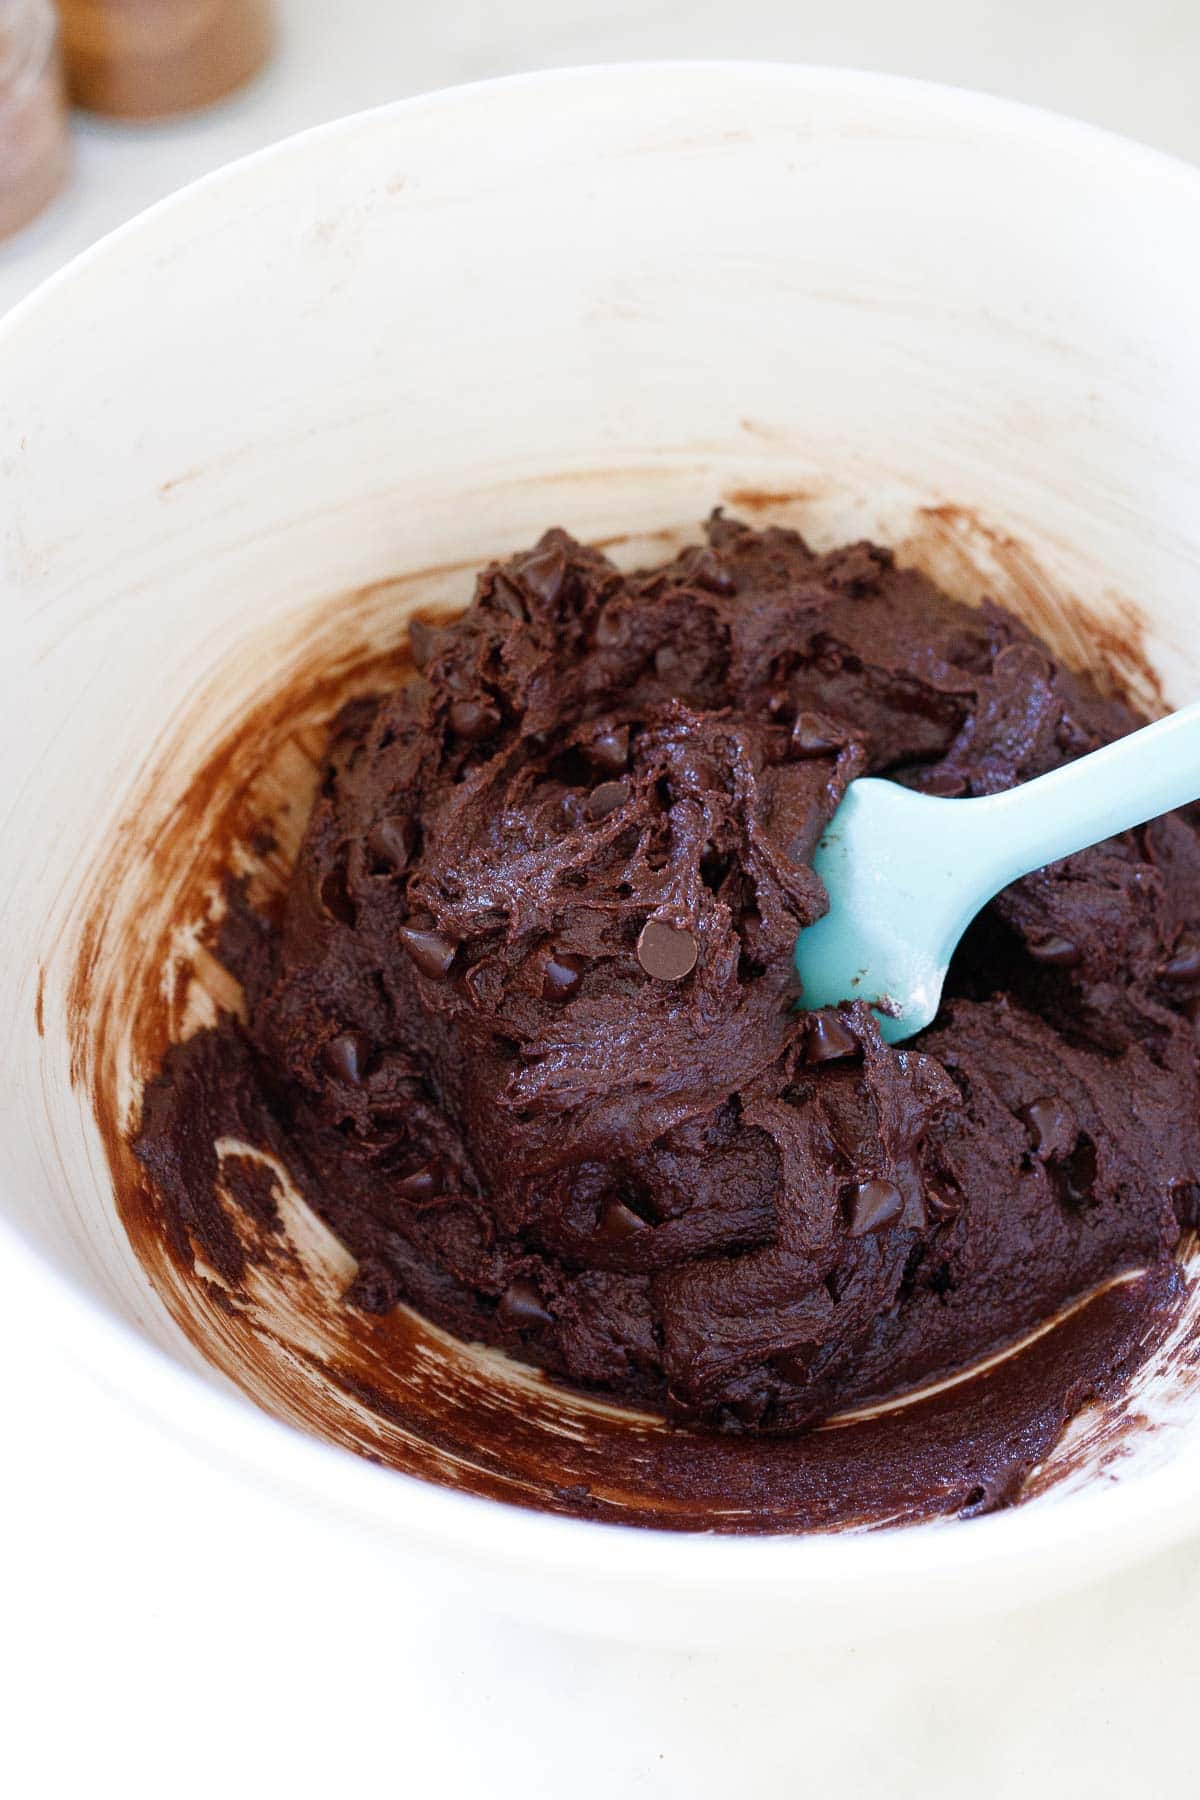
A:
(128, 1656)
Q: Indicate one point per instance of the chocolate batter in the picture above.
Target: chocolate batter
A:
(526, 1036)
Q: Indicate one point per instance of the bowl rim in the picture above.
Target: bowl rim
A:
(1096, 1528)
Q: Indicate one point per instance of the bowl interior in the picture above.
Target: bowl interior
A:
(315, 391)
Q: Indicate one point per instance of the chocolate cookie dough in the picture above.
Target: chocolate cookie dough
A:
(526, 1032)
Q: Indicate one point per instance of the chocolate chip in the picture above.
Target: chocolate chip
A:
(347, 1055)
(521, 1306)
(562, 973)
(424, 640)
(1073, 1177)
(1184, 965)
(691, 771)
(610, 629)
(606, 799)
(943, 784)
(619, 1222)
(943, 1202)
(474, 720)
(335, 895)
(507, 598)
(708, 573)
(422, 1184)
(666, 952)
(543, 572)
(1055, 952)
(390, 844)
(827, 1039)
(815, 735)
(1052, 1125)
(836, 1283)
(667, 663)
(609, 749)
(872, 1206)
(430, 951)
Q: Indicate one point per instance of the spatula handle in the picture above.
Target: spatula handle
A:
(1147, 773)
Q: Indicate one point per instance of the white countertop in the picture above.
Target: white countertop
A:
(131, 1650)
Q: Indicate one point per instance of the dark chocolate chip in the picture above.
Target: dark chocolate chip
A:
(943, 784)
(709, 574)
(507, 597)
(872, 1206)
(474, 720)
(943, 1202)
(430, 951)
(914, 1216)
(619, 1222)
(666, 952)
(1055, 952)
(836, 1283)
(424, 640)
(815, 735)
(562, 973)
(1073, 1177)
(1052, 1125)
(568, 810)
(347, 1055)
(543, 572)
(390, 844)
(521, 1306)
(422, 1184)
(693, 771)
(609, 749)
(606, 799)
(1184, 965)
(827, 1039)
(335, 895)
(610, 629)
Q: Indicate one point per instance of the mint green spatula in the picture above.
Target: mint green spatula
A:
(906, 873)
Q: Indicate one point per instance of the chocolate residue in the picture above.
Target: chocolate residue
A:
(766, 500)
(973, 560)
(395, 1387)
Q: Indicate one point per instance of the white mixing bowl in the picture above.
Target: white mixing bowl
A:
(607, 299)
